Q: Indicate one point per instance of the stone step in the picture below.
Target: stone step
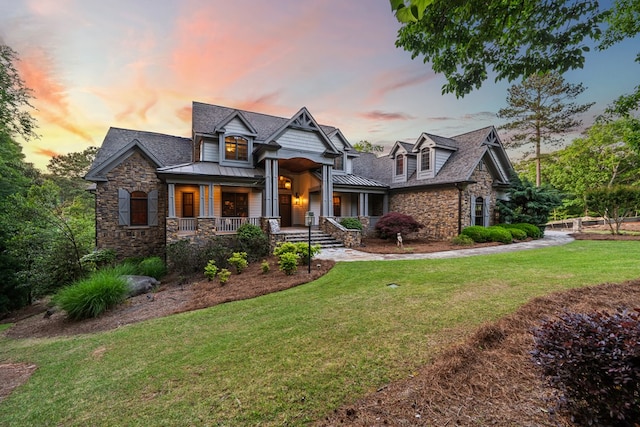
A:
(317, 238)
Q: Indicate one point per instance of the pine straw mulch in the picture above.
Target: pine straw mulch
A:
(490, 378)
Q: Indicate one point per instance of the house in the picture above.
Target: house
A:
(445, 184)
(245, 167)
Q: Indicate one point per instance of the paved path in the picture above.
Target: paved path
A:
(551, 238)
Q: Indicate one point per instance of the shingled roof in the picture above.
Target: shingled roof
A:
(164, 150)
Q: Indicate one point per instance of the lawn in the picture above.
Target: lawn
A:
(291, 357)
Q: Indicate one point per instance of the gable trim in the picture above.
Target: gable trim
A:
(303, 120)
(121, 155)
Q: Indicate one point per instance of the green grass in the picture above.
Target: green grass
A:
(292, 357)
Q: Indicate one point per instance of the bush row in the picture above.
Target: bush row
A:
(503, 233)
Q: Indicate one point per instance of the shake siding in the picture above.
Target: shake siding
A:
(236, 127)
(296, 139)
(210, 152)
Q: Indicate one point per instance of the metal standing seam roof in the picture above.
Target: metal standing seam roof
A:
(212, 169)
(356, 180)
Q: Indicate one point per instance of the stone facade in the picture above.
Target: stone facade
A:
(349, 238)
(482, 187)
(135, 173)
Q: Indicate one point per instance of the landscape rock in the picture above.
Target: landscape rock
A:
(138, 285)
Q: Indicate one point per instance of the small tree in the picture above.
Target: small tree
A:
(395, 222)
(614, 204)
(528, 203)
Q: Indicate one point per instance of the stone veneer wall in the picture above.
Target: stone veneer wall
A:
(436, 209)
(349, 238)
(482, 187)
(135, 173)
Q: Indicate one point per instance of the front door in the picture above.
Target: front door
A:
(285, 210)
(187, 205)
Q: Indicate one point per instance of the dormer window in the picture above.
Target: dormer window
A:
(399, 164)
(236, 148)
(425, 159)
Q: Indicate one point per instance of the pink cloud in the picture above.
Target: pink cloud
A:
(397, 79)
(381, 115)
(46, 152)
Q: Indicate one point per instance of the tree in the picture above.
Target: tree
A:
(528, 203)
(367, 147)
(614, 204)
(68, 171)
(539, 112)
(466, 40)
(14, 98)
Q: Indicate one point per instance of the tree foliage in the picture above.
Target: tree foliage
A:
(528, 203)
(367, 147)
(467, 40)
(540, 110)
(15, 98)
(614, 204)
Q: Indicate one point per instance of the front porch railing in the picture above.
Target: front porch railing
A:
(222, 225)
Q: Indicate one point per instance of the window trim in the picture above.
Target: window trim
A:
(236, 144)
(224, 197)
(425, 152)
(400, 158)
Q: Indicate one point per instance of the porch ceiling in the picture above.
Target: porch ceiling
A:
(297, 164)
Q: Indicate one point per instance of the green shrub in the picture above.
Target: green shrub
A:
(499, 234)
(153, 266)
(395, 222)
(516, 233)
(351, 223)
(288, 263)
(223, 276)
(477, 233)
(284, 248)
(302, 250)
(98, 259)
(462, 240)
(253, 241)
(211, 270)
(593, 361)
(239, 261)
(265, 267)
(92, 296)
(532, 231)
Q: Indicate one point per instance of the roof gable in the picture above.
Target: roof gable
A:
(304, 121)
(434, 141)
(401, 147)
(239, 117)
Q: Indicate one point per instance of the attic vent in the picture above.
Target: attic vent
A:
(304, 121)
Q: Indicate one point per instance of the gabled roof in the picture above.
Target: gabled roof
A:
(161, 149)
(470, 149)
(406, 146)
(430, 140)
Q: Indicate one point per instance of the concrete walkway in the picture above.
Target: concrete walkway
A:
(551, 238)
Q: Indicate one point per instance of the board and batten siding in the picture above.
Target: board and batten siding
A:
(296, 139)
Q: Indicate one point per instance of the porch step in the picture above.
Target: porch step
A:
(325, 241)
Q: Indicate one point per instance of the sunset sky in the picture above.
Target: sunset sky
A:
(139, 64)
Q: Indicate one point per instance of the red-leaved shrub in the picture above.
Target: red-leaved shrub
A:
(395, 222)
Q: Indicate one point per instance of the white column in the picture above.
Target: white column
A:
(171, 190)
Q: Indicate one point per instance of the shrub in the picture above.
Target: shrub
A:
(239, 261)
(211, 270)
(462, 240)
(285, 247)
(351, 223)
(153, 266)
(516, 233)
(288, 263)
(532, 231)
(265, 267)
(301, 249)
(223, 276)
(92, 296)
(477, 233)
(593, 360)
(253, 241)
(389, 225)
(182, 256)
(98, 258)
(499, 234)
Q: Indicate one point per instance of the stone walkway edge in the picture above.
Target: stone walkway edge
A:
(551, 238)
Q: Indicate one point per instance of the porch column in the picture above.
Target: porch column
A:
(171, 190)
(271, 188)
(327, 191)
(363, 205)
(202, 195)
(210, 201)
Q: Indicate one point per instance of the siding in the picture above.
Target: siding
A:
(236, 127)
(296, 139)
(210, 152)
(255, 204)
(196, 198)
(412, 165)
(441, 157)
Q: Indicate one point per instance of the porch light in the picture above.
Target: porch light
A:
(296, 199)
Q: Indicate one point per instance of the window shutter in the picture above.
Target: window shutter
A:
(473, 210)
(487, 201)
(152, 208)
(124, 216)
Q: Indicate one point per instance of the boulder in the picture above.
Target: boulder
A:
(138, 285)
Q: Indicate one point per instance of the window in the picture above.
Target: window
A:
(337, 202)
(187, 205)
(399, 164)
(338, 163)
(235, 204)
(137, 208)
(479, 211)
(236, 148)
(425, 159)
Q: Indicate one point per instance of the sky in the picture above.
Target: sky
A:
(139, 64)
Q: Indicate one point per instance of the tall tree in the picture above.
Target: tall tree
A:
(466, 40)
(68, 171)
(541, 112)
(367, 147)
(15, 98)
